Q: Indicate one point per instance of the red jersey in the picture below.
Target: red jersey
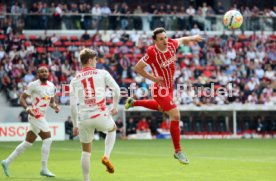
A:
(163, 63)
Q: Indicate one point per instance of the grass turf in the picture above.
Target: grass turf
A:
(210, 160)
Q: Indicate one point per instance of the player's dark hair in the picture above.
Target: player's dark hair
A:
(86, 54)
(156, 31)
(41, 67)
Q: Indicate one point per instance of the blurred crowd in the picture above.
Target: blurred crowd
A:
(242, 64)
(42, 7)
(160, 128)
(83, 15)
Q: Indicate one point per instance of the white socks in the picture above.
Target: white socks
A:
(45, 151)
(18, 150)
(85, 157)
(109, 143)
(85, 165)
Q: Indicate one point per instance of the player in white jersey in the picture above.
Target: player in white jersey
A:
(88, 89)
(42, 94)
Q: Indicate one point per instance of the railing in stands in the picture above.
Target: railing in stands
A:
(145, 22)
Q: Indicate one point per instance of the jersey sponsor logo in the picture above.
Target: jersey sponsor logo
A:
(169, 61)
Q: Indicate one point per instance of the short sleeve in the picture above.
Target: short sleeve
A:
(109, 80)
(29, 89)
(174, 42)
(147, 58)
(54, 91)
(71, 88)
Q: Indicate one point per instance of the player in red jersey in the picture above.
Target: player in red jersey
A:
(161, 57)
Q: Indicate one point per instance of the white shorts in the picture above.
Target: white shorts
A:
(37, 125)
(103, 122)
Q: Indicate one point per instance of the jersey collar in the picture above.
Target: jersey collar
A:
(43, 84)
(161, 50)
(87, 68)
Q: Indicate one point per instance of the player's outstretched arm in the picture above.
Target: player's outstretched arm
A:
(188, 39)
(140, 69)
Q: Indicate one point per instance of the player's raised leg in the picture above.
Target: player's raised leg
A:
(174, 115)
(150, 104)
(27, 143)
(45, 152)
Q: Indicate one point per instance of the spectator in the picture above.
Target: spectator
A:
(190, 11)
(220, 9)
(96, 12)
(105, 10)
(152, 126)
(195, 30)
(131, 127)
(2, 53)
(252, 99)
(120, 127)
(124, 20)
(69, 127)
(143, 126)
(165, 125)
(138, 10)
(260, 126)
(14, 96)
(57, 19)
(15, 9)
(269, 73)
(29, 77)
(23, 116)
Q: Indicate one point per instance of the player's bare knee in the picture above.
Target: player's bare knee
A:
(176, 117)
(30, 137)
(45, 135)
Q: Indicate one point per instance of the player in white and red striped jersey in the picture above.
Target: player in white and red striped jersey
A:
(88, 89)
(42, 93)
(161, 57)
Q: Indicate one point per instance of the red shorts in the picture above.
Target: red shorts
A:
(164, 97)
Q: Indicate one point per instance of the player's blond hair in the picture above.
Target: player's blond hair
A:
(86, 54)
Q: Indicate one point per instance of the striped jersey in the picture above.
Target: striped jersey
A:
(162, 63)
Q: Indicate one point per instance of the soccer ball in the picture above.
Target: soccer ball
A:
(233, 19)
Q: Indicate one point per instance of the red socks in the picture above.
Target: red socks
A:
(150, 104)
(174, 126)
(175, 134)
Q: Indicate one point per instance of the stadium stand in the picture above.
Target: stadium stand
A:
(220, 60)
(244, 60)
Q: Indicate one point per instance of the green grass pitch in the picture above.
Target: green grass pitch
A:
(210, 160)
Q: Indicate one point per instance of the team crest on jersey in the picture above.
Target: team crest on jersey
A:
(172, 103)
(46, 98)
(169, 61)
